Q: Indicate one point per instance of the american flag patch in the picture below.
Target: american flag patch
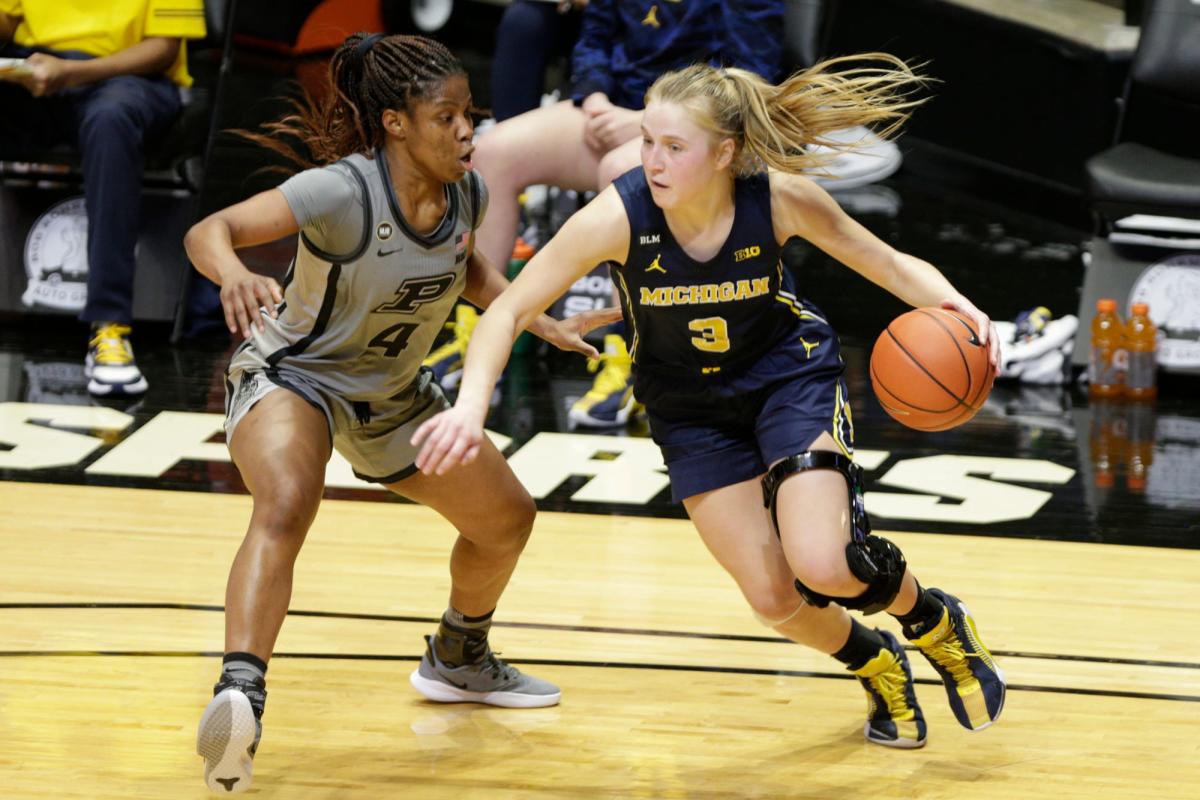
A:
(460, 246)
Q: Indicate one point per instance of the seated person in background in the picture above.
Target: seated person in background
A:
(586, 142)
(105, 79)
(531, 33)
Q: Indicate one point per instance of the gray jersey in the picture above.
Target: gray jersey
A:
(366, 295)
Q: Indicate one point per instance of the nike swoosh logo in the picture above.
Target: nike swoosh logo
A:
(381, 253)
(974, 339)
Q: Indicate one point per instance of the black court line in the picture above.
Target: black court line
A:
(555, 662)
(726, 637)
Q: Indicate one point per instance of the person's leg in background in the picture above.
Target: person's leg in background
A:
(116, 119)
(525, 40)
(610, 402)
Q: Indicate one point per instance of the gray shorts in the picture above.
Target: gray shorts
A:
(374, 437)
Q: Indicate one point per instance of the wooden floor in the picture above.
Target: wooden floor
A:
(111, 631)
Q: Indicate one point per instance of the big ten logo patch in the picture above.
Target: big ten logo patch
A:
(56, 258)
(747, 252)
(592, 291)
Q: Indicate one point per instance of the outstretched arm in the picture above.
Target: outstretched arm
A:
(485, 284)
(597, 233)
(806, 210)
(210, 245)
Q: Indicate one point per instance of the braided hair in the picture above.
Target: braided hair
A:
(368, 74)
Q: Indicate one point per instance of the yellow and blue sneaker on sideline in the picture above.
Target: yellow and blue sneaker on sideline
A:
(974, 682)
(609, 403)
(447, 361)
(893, 717)
(109, 366)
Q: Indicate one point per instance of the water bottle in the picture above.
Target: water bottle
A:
(521, 254)
(1106, 361)
(1141, 344)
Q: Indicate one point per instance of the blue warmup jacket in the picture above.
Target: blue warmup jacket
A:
(624, 45)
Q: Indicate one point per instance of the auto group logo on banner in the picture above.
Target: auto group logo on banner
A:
(1171, 288)
(56, 258)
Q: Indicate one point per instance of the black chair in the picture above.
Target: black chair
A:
(1154, 164)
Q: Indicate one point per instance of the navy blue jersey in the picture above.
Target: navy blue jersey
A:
(693, 324)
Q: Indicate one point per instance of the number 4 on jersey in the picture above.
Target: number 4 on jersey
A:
(411, 295)
(394, 339)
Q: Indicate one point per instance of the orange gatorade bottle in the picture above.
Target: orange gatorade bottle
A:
(1141, 342)
(1106, 359)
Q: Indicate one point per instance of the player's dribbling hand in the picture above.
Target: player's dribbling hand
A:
(987, 331)
(447, 440)
(241, 298)
(567, 334)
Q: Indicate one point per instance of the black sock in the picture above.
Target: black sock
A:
(250, 672)
(863, 644)
(461, 639)
(925, 613)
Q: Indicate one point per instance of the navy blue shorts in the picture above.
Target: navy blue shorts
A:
(730, 430)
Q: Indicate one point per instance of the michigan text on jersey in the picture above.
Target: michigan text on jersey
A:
(705, 293)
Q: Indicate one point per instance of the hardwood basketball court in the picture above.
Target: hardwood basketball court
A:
(111, 601)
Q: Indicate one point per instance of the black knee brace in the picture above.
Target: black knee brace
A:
(872, 559)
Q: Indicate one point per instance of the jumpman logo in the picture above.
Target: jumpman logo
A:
(809, 347)
(654, 265)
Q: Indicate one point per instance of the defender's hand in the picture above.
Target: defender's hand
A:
(567, 334)
(447, 440)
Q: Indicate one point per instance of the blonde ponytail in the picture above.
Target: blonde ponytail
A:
(774, 126)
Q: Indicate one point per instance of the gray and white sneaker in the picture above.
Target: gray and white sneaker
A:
(228, 738)
(488, 680)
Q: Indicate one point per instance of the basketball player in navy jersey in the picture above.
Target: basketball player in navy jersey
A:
(742, 379)
(332, 360)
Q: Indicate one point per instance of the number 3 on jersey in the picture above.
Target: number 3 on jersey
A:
(714, 334)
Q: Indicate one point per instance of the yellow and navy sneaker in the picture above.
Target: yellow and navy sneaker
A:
(609, 402)
(893, 717)
(447, 361)
(109, 366)
(974, 682)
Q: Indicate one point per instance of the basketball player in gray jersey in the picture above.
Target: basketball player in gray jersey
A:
(331, 360)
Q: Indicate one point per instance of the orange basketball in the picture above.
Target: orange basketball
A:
(929, 370)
